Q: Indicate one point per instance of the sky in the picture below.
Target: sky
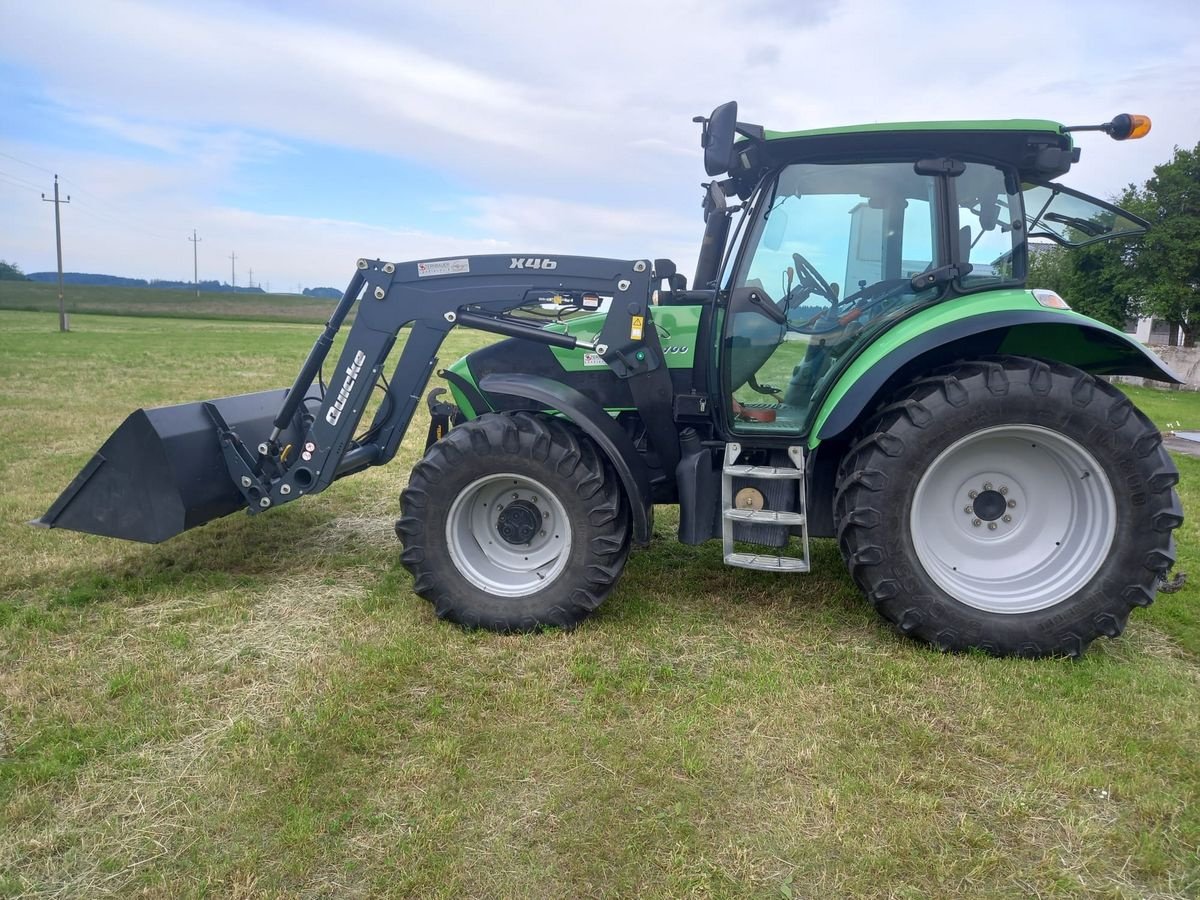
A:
(302, 136)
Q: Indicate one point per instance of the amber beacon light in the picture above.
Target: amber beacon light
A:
(1124, 127)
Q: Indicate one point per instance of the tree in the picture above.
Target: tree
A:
(1167, 266)
(11, 272)
(1049, 268)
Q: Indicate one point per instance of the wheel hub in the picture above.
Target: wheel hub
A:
(989, 505)
(519, 522)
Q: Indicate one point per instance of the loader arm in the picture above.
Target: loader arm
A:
(429, 299)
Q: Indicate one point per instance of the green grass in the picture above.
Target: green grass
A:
(262, 707)
(1170, 410)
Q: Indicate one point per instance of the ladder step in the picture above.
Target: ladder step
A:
(763, 472)
(766, 563)
(765, 516)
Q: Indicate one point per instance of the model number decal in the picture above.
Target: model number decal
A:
(343, 394)
(532, 262)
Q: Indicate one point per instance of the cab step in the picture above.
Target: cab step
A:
(732, 515)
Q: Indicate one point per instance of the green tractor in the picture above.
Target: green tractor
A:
(857, 358)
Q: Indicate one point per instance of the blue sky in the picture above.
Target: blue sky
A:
(304, 136)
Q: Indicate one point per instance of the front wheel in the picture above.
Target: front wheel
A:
(512, 522)
(1009, 505)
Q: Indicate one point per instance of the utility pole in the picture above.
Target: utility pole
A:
(233, 272)
(195, 263)
(251, 285)
(63, 324)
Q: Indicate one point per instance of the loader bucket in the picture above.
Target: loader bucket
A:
(162, 471)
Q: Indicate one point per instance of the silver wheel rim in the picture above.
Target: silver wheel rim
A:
(1038, 544)
(486, 557)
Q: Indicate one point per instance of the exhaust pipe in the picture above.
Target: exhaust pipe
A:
(163, 472)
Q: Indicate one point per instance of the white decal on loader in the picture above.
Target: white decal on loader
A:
(523, 262)
(343, 394)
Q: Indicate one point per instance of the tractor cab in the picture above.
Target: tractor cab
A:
(847, 231)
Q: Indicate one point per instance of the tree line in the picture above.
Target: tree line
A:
(1157, 275)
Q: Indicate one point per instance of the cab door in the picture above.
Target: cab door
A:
(830, 255)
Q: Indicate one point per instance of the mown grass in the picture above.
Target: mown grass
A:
(262, 707)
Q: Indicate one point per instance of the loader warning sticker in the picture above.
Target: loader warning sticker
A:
(593, 359)
(636, 323)
(444, 267)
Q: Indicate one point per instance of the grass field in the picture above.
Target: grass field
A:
(129, 301)
(263, 708)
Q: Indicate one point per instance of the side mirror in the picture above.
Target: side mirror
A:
(717, 138)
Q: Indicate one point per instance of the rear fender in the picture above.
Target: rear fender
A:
(596, 424)
(935, 337)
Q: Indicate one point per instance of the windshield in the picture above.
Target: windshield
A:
(1073, 219)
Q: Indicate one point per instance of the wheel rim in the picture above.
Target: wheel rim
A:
(488, 546)
(1013, 519)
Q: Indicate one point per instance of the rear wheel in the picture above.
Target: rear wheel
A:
(1009, 505)
(512, 522)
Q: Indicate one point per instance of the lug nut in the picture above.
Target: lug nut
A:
(991, 526)
(545, 515)
(972, 494)
(1004, 489)
(1007, 518)
(1012, 504)
(976, 522)
(968, 509)
(987, 485)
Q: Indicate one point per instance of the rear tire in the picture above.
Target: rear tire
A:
(1009, 505)
(513, 522)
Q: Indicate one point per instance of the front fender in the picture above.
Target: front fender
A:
(1007, 322)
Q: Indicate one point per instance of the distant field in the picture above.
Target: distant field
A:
(131, 301)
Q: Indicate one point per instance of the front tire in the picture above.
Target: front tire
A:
(513, 522)
(1009, 505)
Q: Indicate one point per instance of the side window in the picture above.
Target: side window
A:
(986, 236)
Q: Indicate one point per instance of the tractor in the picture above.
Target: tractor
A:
(857, 357)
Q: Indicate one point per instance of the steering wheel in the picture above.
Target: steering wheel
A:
(812, 280)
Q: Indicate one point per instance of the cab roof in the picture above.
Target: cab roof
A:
(1038, 149)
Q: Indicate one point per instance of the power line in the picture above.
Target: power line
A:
(25, 163)
(21, 184)
(16, 179)
(63, 325)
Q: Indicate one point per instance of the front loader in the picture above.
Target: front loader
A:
(859, 358)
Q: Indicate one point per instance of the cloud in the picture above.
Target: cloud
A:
(567, 127)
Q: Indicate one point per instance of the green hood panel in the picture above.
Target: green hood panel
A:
(676, 325)
(676, 332)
